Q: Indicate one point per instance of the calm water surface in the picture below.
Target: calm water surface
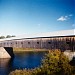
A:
(22, 60)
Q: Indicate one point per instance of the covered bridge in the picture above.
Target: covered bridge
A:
(63, 40)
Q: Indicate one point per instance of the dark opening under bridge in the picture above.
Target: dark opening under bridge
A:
(63, 40)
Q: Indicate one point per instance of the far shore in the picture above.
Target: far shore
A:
(35, 50)
(28, 50)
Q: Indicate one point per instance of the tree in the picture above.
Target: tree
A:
(56, 63)
(13, 36)
(8, 36)
(2, 37)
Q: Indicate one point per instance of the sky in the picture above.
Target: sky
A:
(19, 17)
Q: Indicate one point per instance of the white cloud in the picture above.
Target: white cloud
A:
(62, 18)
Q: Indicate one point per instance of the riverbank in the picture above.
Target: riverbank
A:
(28, 49)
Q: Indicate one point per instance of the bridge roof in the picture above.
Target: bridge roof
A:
(41, 35)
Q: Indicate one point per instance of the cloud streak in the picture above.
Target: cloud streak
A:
(73, 25)
(70, 15)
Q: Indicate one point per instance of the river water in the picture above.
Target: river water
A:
(20, 61)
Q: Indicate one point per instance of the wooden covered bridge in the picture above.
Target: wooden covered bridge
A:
(63, 40)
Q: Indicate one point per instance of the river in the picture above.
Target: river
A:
(20, 61)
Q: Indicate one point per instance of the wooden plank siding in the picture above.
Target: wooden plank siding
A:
(63, 43)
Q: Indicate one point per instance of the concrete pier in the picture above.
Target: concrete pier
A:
(6, 52)
(69, 54)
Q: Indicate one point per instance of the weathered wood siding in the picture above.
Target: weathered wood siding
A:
(63, 43)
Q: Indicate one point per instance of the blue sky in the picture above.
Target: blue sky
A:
(19, 17)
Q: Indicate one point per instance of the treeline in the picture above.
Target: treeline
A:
(8, 36)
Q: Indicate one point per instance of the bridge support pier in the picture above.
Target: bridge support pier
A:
(6, 52)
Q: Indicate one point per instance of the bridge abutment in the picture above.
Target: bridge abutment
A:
(6, 52)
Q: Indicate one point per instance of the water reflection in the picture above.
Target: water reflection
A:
(4, 66)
